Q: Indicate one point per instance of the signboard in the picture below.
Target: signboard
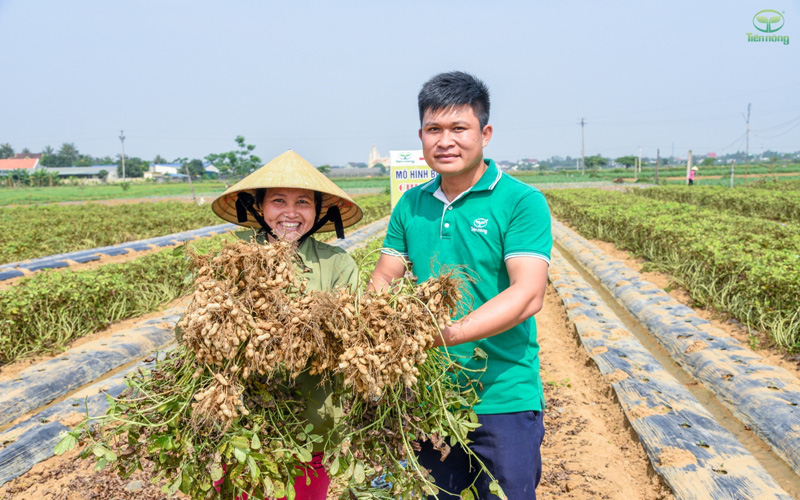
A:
(407, 169)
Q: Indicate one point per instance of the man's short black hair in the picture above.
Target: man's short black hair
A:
(454, 89)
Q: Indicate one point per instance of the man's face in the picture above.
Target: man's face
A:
(453, 141)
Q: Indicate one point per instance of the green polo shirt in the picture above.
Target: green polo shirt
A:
(499, 218)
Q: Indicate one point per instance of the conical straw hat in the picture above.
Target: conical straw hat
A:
(289, 170)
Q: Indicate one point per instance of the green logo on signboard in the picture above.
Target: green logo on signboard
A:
(768, 21)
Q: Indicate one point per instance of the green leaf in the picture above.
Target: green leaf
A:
(255, 472)
(494, 488)
(358, 473)
(291, 494)
(240, 455)
(467, 495)
(175, 485)
(304, 455)
(216, 472)
(269, 488)
(308, 428)
(68, 442)
(255, 443)
(774, 19)
(334, 467)
(101, 464)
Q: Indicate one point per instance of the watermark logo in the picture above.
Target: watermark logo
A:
(768, 21)
(479, 225)
(404, 158)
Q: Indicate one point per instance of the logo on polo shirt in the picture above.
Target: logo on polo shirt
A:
(479, 225)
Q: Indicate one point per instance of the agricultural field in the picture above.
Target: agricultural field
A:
(208, 189)
(717, 175)
(774, 204)
(38, 231)
(71, 304)
(599, 403)
(745, 265)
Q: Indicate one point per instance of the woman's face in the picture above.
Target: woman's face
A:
(289, 211)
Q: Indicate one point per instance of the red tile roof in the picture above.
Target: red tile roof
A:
(13, 163)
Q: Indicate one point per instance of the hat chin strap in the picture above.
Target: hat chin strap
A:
(245, 202)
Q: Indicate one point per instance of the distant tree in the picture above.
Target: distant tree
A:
(159, 160)
(84, 161)
(104, 160)
(39, 177)
(6, 151)
(196, 168)
(103, 174)
(325, 169)
(134, 167)
(69, 153)
(628, 161)
(26, 151)
(596, 161)
(707, 162)
(381, 167)
(48, 150)
(239, 162)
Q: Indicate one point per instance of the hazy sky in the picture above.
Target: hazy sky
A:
(329, 79)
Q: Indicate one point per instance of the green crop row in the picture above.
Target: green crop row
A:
(46, 311)
(746, 266)
(31, 232)
(765, 203)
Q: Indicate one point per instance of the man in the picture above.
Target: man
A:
(499, 228)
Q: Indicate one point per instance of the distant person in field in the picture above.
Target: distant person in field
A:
(473, 215)
(692, 174)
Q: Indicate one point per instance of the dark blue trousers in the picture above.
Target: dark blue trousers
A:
(509, 444)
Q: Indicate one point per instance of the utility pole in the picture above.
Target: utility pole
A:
(635, 169)
(189, 175)
(733, 162)
(583, 156)
(640, 160)
(122, 140)
(747, 143)
(688, 167)
(658, 160)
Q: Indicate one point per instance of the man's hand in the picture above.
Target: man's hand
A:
(388, 268)
(522, 299)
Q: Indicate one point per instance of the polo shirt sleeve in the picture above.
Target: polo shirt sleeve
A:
(396, 232)
(528, 233)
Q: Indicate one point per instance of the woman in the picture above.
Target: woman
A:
(289, 199)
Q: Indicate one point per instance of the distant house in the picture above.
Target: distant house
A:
(10, 164)
(211, 170)
(162, 170)
(85, 173)
(23, 156)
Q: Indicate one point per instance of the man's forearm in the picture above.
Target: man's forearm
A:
(505, 311)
